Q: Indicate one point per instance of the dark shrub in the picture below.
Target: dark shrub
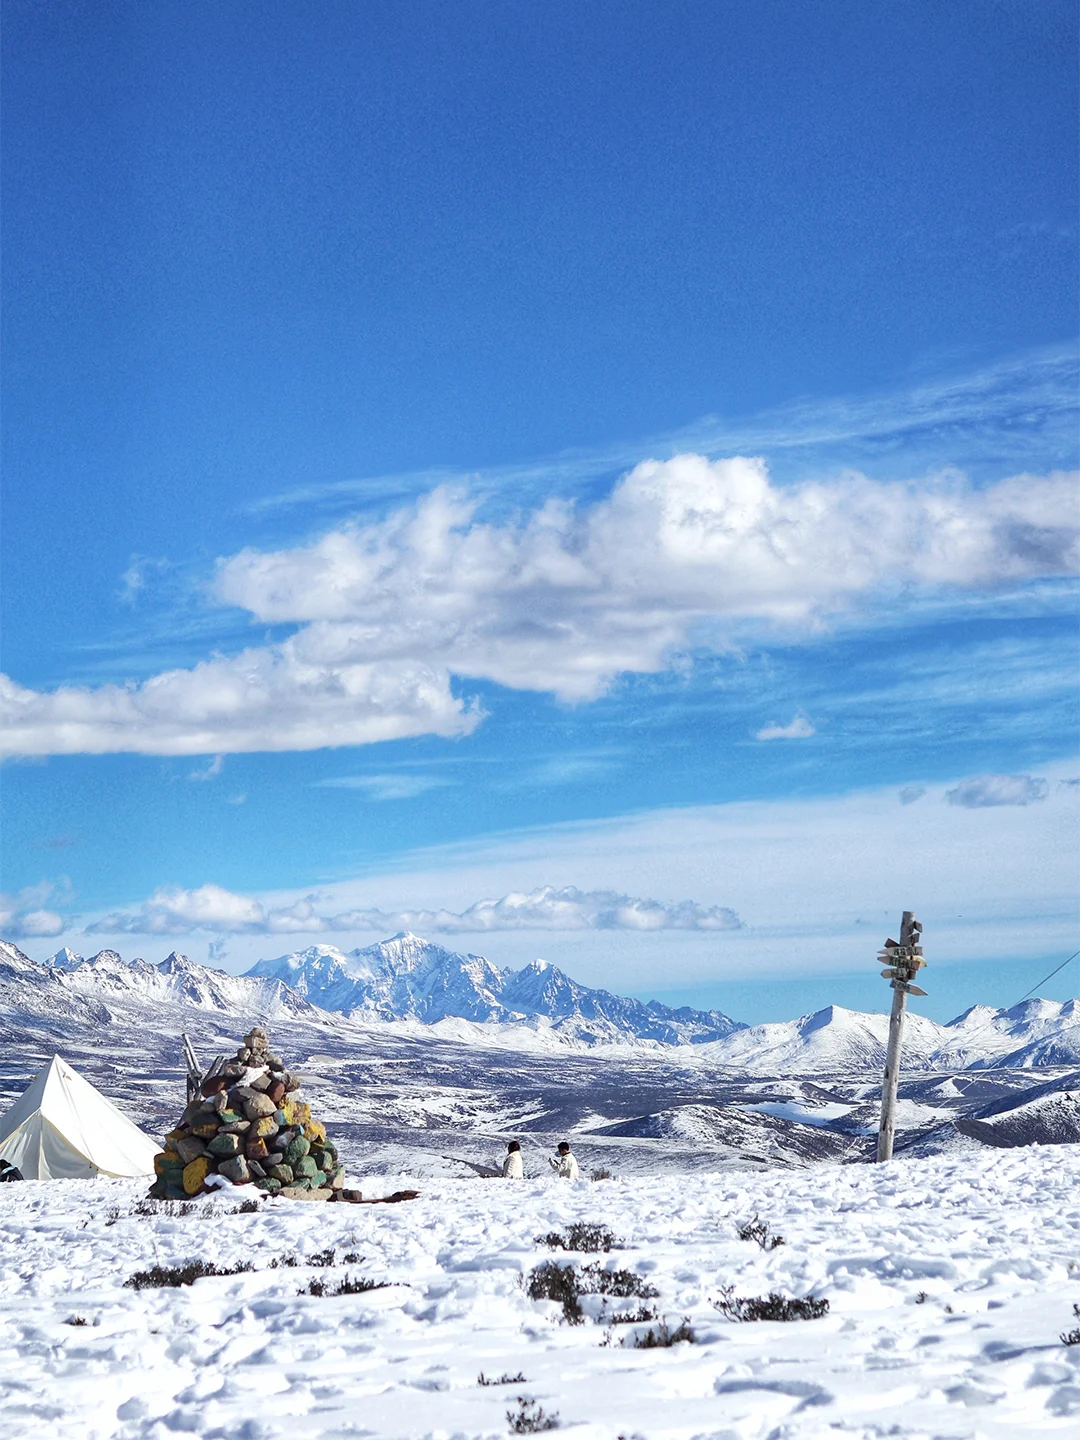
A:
(565, 1285)
(758, 1231)
(1072, 1337)
(559, 1283)
(768, 1307)
(176, 1275)
(530, 1418)
(504, 1379)
(663, 1336)
(586, 1238)
(343, 1287)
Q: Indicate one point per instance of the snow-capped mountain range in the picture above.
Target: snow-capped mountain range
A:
(413, 979)
(467, 998)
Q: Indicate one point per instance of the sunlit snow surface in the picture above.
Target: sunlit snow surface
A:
(990, 1240)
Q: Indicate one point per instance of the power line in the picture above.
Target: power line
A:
(968, 1039)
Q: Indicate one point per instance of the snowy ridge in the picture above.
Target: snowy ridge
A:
(410, 978)
(411, 987)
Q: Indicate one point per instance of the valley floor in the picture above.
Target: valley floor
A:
(949, 1280)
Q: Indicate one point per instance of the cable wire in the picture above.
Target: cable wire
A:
(968, 1039)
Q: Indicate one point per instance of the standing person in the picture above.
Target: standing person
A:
(513, 1167)
(566, 1166)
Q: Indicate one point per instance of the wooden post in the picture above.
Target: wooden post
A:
(904, 960)
(194, 1069)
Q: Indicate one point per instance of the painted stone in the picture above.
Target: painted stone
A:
(223, 1147)
(315, 1130)
(195, 1174)
(190, 1148)
(265, 1125)
(296, 1150)
(255, 1149)
(205, 1131)
(280, 1172)
(306, 1166)
(258, 1106)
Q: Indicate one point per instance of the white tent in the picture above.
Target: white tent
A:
(61, 1128)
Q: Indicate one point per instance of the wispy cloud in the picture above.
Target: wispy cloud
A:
(401, 785)
(1016, 414)
(174, 911)
(683, 555)
(138, 575)
(910, 793)
(210, 771)
(798, 728)
(982, 791)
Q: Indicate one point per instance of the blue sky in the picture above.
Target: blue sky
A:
(356, 554)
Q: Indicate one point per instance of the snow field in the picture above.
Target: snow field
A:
(991, 1242)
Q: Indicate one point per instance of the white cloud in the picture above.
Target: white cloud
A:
(684, 553)
(401, 786)
(799, 728)
(174, 911)
(982, 791)
(24, 916)
(910, 793)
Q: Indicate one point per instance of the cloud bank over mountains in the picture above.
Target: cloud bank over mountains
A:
(175, 911)
(684, 554)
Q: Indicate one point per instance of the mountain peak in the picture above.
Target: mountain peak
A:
(65, 959)
(408, 977)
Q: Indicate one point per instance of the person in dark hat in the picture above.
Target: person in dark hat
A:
(513, 1166)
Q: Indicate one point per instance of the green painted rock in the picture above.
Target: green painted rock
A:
(269, 1184)
(296, 1150)
(306, 1166)
(280, 1172)
(231, 1117)
(224, 1147)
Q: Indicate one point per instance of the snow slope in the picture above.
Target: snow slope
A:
(949, 1282)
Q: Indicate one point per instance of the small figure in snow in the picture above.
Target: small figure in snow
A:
(9, 1171)
(566, 1166)
(513, 1168)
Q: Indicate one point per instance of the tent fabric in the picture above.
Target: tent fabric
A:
(61, 1128)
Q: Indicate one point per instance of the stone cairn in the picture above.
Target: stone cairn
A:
(248, 1127)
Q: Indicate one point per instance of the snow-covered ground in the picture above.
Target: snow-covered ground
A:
(949, 1280)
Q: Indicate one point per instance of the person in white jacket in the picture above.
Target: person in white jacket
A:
(513, 1168)
(565, 1166)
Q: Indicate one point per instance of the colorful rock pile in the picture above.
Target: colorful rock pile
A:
(247, 1127)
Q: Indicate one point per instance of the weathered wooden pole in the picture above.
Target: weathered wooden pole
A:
(904, 961)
